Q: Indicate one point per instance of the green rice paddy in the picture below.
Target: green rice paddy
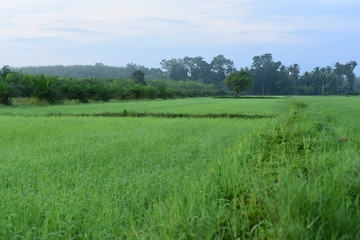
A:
(296, 176)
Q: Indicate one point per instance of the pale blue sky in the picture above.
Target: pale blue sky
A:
(116, 32)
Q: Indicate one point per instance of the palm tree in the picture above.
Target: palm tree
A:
(294, 71)
(338, 73)
(5, 71)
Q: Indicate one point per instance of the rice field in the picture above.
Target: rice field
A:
(296, 176)
(249, 106)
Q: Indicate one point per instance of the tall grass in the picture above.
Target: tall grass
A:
(85, 178)
(293, 177)
(296, 179)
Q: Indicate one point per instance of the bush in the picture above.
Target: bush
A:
(6, 93)
(46, 89)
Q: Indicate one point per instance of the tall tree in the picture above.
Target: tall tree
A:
(175, 68)
(264, 71)
(283, 83)
(221, 67)
(339, 69)
(294, 73)
(198, 69)
(350, 75)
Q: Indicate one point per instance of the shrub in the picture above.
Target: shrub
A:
(46, 89)
(6, 93)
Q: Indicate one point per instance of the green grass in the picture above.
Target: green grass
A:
(95, 178)
(293, 177)
(298, 178)
(188, 105)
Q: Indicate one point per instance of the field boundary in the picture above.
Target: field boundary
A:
(155, 115)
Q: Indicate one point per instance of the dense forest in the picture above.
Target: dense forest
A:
(177, 77)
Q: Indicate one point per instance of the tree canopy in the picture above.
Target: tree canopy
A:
(270, 76)
(139, 77)
(239, 81)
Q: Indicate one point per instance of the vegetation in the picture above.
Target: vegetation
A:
(53, 89)
(200, 106)
(98, 70)
(6, 93)
(269, 77)
(295, 176)
(239, 81)
(139, 77)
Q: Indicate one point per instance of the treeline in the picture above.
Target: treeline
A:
(186, 69)
(97, 70)
(273, 78)
(269, 77)
(54, 89)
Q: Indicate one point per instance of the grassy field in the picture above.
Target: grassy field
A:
(191, 106)
(293, 177)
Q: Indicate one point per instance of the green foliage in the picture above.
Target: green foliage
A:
(239, 81)
(139, 77)
(7, 92)
(269, 77)
(55, 89)
(5, 71)
(97, 70)
(46, 89)
(137, 91)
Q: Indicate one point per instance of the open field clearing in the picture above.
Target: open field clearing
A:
(63, 177)
(296, 176)
(188, 105)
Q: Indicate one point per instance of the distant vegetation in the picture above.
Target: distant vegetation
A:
(186, 77)
(54, 89)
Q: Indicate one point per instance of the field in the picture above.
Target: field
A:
(294, 174)
(190, 106)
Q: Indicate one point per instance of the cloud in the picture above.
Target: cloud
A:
(181, 26)
(168, 20)
(74, 30)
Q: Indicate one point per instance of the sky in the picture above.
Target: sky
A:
(116, 32)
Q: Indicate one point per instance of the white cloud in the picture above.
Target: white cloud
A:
(36, 24)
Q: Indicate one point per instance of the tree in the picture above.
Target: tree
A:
(350, 75)
(294, 72)
(239, 81)
(139, 77)
(175, 68)
(5, 71)
(339, 71)
(220, 68)
(6, 93)
(178, 72)
(265, 73)
(197, 68)
(46, 88)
